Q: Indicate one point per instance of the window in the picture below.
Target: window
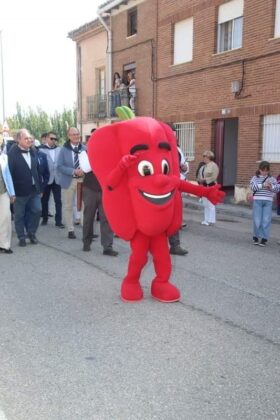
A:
(101, 81)
(90, 108)
(132, 21)
(183, 41)
(277, 18)
(271, 138)
(79, 73)
(185, 132)
(230, 23)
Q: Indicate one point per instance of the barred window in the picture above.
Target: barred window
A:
(271, 138)
(185, 132)
(90, 108)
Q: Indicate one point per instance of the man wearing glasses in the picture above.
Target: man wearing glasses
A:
(70, 175)
(52, 151)
(24, 168)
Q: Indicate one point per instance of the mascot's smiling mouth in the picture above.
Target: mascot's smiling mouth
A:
(157, 199)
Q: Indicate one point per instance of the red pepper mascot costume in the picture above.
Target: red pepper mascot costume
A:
(136, 163)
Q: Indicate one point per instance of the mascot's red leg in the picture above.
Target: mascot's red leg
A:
(131, 289)
(161, 288)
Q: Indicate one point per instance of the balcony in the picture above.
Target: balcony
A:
(101, 106)
(96, 107)
(122, 97)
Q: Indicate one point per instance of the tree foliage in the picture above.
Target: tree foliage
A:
(38, 121)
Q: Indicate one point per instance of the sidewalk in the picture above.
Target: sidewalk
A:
(228, 208)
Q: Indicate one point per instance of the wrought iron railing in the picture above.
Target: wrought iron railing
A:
(96, 107)
(102, 106)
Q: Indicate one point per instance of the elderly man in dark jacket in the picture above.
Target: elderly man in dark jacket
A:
(25, 172)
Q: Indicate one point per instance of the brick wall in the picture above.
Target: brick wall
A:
(198, 91)
(139, 48)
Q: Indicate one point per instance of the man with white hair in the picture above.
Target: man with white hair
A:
(25, 172)
(70, 175)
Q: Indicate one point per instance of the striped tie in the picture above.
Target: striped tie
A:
(76, 158)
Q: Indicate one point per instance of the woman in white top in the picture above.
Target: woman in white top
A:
(207, 176)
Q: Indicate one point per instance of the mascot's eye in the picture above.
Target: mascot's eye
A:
(145, 168)
(165, 167)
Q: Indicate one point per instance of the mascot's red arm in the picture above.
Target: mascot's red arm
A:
(115, 177)
(213, 194)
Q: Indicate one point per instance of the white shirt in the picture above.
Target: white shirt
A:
(27, 158)
(84, 162)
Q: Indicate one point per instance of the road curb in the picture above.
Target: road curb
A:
(236, 210)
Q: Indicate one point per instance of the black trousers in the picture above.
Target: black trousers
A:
(93, 201)
(56, 190)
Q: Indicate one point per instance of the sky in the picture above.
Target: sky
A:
(39, 60)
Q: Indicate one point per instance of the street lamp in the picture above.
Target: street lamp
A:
(2, 73)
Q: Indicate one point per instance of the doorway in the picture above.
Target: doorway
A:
(226, 140)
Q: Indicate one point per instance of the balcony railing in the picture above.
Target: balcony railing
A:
(122, 97)
(102, 106)
(96, 107)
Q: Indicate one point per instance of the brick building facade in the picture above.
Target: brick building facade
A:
(211, 67)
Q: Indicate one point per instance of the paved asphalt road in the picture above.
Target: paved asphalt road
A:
(71, 350)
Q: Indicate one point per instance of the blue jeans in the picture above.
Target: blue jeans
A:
(262, 214)
(27, 211)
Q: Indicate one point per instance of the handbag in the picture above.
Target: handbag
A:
(250, 196)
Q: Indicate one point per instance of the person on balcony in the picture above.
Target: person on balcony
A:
(116, 96)
(124, 94)
(131, 89)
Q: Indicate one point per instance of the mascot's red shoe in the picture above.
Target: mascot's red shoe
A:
(131, 292)
(165, 292)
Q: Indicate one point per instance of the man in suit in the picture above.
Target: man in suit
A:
(92, 198)
(52, 151)
(70, 175)
(25, 172)
(174, 240)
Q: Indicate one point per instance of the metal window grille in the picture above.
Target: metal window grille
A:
(96, 107)
(90, 108)
(186, 135)
(271, 138)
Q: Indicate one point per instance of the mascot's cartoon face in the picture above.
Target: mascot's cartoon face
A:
(147, 198)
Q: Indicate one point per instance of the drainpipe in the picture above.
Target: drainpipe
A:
(80, 87)
(109, 57)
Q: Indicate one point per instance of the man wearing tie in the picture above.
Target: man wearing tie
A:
(70, 175)
(52, 151)
(24, 168)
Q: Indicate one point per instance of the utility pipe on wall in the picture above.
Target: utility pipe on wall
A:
(109, 57)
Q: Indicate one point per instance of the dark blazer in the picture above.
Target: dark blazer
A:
(22, 175)
(43, 167)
